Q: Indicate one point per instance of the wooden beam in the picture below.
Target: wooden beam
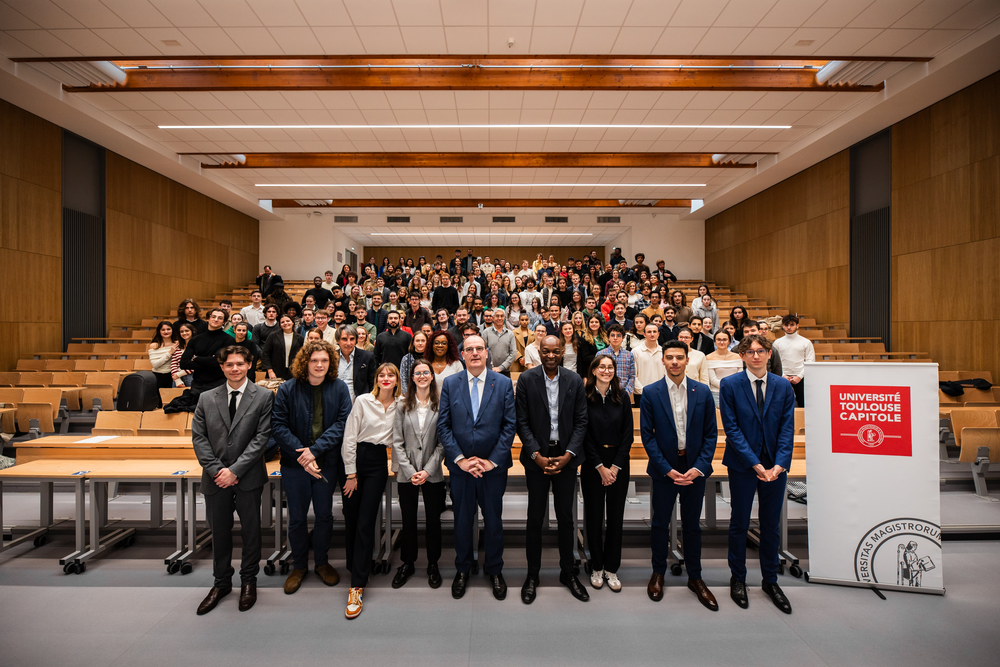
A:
(444, 160)
(487, 203)
(470, 78)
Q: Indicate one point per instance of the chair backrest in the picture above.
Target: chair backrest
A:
(161, 432)
(157, 419)
(106, 348)
(80, 347)
(34, 379)
(142, 334)
(169, 394)
(800, 421)
(30, 365)
(119, 365)
(37, 411)
(88, 365)
(112, 431)
(10, 396)
(972, 375)
(971, 419)
(9, 379)
(845, 348)
(948, 376)
(118, 420)
(823, 348)
(106, 394)
(872, 348)
(113, 379)
(59, 364)
(142, 365)
(40, 395)
(68, 379)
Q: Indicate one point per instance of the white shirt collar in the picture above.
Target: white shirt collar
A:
(241, 389)
(753, 378)
(481, 376)
(683, 386)
(349, 358)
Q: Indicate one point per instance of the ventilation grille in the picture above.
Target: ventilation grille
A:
(556, 218)
(451, 219)
(503, 218)
(609, 219)
(345, 218)
(397, 218)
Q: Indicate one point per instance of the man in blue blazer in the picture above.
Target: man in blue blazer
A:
(679, 432)
(476, 425)
(758, 413)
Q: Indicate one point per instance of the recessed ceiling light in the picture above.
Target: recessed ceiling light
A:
(479, 185)
(544, 126)
(170, 42)
(805, 42)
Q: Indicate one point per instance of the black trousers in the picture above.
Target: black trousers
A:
(219, 508)
(564, 494)
(800, 393)
(433, 507)
(605, 554)
(361, 510)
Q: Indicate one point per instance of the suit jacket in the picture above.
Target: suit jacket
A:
(237, 444)
(659, 430)
(533, 414)
(272, 357)
(414, 448)
(491, 434)
(267, 284)
(364, 371)
(746, 433)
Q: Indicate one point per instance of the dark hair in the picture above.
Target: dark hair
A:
(616, 328)
(256, 291)
(158, 339)
(724, 333)
(225, 316)
(224, 353)
(749, 340)
(747, 323)
(410, 400)
(683, 329)
(788, 319)
(675, 345)
(225, 301)
(451, 355)
(292, 305)
(181, 343)
(270, 307)
(615, 390)
(184, 304)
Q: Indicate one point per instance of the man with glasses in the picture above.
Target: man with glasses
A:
(758, 414)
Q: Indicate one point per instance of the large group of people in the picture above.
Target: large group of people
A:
(413, 363)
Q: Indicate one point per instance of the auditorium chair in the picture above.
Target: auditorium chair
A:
(978, 437)
(118, 421)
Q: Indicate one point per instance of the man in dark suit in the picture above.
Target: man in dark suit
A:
(679, 432)
(758, 413)
(551, 422)
(356, 367)
(229, 431)
(476, 426)
(268, 281)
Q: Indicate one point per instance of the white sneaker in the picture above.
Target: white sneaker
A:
(354, 602)
(613, 582)
(597, 578)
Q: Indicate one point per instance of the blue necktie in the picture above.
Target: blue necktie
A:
(475, 398)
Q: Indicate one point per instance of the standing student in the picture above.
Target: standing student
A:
(696, 369)
(551, 422)
(648, 357)
(392, 344)
(679, 433)
(310, 414)
(795, 351)
(368, 435)
(417, 455)
(229, 432)
(624, 360)
(604, 477)
(758, 414)
(280, 349)
(722, 363)
(200, 355)
(476, 425)
(181, 378)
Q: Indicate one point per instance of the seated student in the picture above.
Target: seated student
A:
(307, 322)
(278, 298)
(696, 369)
(199, 355)
(294, 311)
(705, 308)
(701, 340)
(231, 323)
(280, 350)
(269, 326)
(161, 351)
(181, 377)
(226, 305)
(188, 311)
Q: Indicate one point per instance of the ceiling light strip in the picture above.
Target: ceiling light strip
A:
(480, 185)
(466, 232)
(532, 126)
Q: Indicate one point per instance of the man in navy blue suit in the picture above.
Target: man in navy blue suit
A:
(679, 432)
(476, 425)
(758, 413)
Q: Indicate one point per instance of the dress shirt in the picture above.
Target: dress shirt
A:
(753, 384)
(345, 371)
(795, 350)
(368, 422)
(679, 405)
(624, 365)
(552, 396)
(239, 392)
(648, 365)
(423, 409)
(253, 316)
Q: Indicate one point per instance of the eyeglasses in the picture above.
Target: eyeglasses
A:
(421, 374)
(475, 349)
(756, 353)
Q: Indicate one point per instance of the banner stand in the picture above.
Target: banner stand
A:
(874, 476)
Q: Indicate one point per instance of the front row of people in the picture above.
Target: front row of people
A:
(469, 424)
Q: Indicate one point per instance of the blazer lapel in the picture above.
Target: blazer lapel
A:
(692, 399)
(222, 402)
(768, 393)
(463, 396)
(667, 408)
(487, 391)
(245, 401)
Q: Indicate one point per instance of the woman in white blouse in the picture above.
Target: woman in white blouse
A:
(567, 337)
(367, 436)
(160, 351)
(531, 356)
(721, 363)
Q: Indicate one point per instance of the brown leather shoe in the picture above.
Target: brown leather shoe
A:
(704, 595)
(655, 587)
(328, 574)
(212, 599)
(248, 596)
(294, 580)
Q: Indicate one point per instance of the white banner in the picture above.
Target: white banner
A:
(873, 475)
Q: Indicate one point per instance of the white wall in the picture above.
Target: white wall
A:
(680, 243)
(301, 248)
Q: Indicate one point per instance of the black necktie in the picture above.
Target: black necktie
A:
(765, 457)
(760, 397)
(232, 405)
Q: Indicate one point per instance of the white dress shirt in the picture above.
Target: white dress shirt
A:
(369, 421)
(239, 392)
(679, 406)
(345, 371)
(253, 316)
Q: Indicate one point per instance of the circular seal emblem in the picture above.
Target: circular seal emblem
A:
(899, 551)
(870, 435)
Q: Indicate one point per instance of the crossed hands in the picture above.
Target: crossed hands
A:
(765, 475)
(225, 478)
(475, 466)
(308, 462)
(419, 478)
(608, 475)
(685, 479)
(553, 465)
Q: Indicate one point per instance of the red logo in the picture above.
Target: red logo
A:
(870, 420)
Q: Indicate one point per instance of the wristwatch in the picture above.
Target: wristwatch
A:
(533, 455)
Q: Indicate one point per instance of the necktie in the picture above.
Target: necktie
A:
(475, 398)
(760, 397)
(232, 405)
(765, 457)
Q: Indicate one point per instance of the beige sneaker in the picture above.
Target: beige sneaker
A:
(354, 602)
(613, 582)
(597, 578)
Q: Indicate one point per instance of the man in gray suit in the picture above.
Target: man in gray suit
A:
(230, 430)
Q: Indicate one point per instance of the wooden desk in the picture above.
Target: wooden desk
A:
(107, 447)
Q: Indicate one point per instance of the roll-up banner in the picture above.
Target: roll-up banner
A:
(873, 476)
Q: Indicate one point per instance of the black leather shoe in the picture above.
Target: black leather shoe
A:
(212, 599)
(403, 574)
(654, 589)
(499, 586)
(530, 589)
(778, 597)
(433, 576)
(575, 587)
(248, 596)
(458, 586)
(738, 592)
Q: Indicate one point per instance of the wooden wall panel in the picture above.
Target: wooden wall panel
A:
(789, 244)
(30, 235)
(510, 253)
(946, 230)
(167, 243)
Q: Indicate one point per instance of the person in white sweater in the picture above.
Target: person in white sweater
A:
(795, 352)
(696, 369)
(705, 307)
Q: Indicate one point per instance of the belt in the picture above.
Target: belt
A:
(371, 444)
(607, 446)
(681, 452)
(553, 442)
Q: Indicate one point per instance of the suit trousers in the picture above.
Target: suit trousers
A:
(799, 390)
(605, 554)
(663, 495)
(486, 493)
(301, 490)
(219, 508)
(770, 500)
(433, 507)
(564, 494)
(361, 510)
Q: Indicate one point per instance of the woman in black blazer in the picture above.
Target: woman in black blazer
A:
(273, 360)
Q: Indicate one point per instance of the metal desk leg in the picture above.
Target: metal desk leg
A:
(475, 541)
(580, 529)
(172, 561)
(79, 518)
(386, 539)
(577, 557)
(785, 556)
(155, 504)
(45, 516)
(278, 560)
(266, 514)
(98, 493)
